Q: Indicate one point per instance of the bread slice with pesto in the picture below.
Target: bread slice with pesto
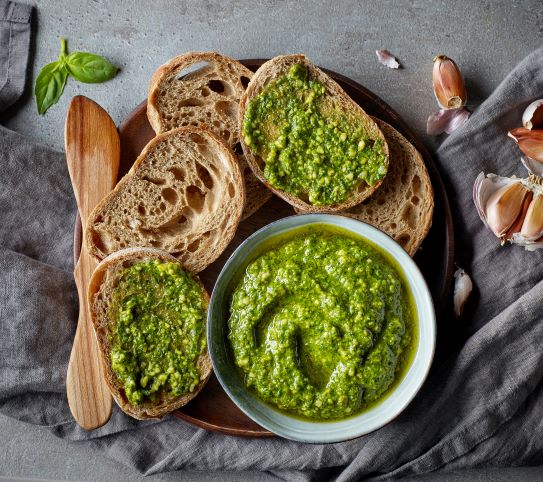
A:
(184, 194)
(307, 140)
(403, 205)
(203, 89)
(134, 362)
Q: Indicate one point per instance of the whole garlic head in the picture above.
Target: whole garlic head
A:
(512, 208)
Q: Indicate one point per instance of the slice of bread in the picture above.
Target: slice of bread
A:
(403, 205)
(208, 96)
(101, 285)
(336, 97)
(184, 194)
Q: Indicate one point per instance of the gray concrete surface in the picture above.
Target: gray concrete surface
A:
(486, 39)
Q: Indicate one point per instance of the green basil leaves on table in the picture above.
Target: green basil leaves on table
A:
(89, 68)
(49, 86)
(82, 66)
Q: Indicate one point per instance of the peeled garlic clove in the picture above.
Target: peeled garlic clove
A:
(533, 115)
(463, 287)
(532, 227)
(503, 208)
(449, 87)
(387, 59)
(517, 225)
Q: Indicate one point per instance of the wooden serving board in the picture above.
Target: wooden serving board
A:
(212, 409)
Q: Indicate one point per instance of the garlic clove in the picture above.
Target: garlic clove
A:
(532, 227)
(463, 287)
(449, 86)
(529, 141)
(459, 118)
(446, 120)
(533, 115)
(533, 148)
(503, 208)
(517, 225)
(484, 187)
(521, 132)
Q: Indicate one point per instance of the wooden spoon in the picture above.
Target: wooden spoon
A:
(92, 152)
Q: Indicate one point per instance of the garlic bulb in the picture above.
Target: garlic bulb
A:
(512, 208)
(449, 87)
(462, 289)
(533, 115)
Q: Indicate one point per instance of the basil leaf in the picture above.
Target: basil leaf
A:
(49, 86)
(89, 68)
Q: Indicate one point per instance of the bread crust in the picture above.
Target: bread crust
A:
(272, 70)
(110, 267)
(229, 70)
(194, 261)
(403, 206)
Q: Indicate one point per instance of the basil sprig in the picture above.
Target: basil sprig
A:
(82, 66)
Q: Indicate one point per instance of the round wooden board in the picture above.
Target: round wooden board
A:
(212, 409)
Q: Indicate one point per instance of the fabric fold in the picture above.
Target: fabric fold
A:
(15, 41)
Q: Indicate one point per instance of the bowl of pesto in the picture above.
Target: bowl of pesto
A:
(321, 328)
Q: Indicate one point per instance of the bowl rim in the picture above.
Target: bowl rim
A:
(427, 309)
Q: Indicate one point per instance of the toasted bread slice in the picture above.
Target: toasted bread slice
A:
(208, 96)
(184, 194)
(335, 96)
(403, 205)
(101, 285)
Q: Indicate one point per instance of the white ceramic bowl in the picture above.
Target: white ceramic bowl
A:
(279, 422)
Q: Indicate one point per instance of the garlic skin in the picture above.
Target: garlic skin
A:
(449, 86)
(533, 115)
(532, 166)
(463, 287)
(387, 59)
(529, 141)
(485, 188)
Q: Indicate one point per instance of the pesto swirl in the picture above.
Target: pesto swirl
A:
(321, 326)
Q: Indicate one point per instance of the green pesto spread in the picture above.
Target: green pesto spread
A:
(322, 325)
(310, 148)
(158, 330)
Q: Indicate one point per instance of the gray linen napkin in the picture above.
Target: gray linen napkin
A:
(481, 408)
(15, 43)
